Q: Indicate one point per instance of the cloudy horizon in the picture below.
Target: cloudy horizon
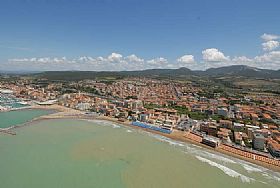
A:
(211, 58)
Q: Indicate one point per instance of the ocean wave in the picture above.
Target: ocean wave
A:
(129, 131)
(217, 157)
(226, 170)
(250, 168)
(104, 123)
(116, 126)
(167, 140)
(193, 149)
(276, 176)
(197, 146)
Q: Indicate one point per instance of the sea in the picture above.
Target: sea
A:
(18, 117)
(72, 153)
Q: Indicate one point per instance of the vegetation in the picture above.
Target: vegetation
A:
(198, 115)
(131, 97)
(180, 109)
(151, 106)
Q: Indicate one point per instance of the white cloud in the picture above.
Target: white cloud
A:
(242, 60)
(269, 60)
(213, 55)
(134, 58)
(115, 57)
(114, 61)
(270, 45)
(160, 61)
(273, 56)
(269, 37)
(186, 59)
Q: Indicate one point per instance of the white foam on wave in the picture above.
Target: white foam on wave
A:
(100, 122)
(167, 140)
(217, 157)
(193, 149)
(129, 131)
(104, 123)
(275, 176)
(116, 126)
(250, 168)
(197, 146)
(226, 170)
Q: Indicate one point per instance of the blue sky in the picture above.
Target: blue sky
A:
(52, 34)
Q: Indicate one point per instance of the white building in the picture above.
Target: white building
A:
(83, 106)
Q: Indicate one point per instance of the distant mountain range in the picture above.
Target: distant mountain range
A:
(229, 71)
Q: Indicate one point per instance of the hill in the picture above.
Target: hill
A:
(232, 71)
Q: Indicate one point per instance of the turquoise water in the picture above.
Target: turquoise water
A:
(86, 154)
(8, 119)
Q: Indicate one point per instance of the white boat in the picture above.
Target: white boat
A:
(23, 103)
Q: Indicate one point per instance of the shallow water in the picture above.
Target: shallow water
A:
(10, 118)
(79, 153)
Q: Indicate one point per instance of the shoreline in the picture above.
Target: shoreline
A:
(180, 136)
(68, 113)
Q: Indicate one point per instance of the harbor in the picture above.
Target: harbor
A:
(9, 102)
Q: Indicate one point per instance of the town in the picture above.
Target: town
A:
(245, 121)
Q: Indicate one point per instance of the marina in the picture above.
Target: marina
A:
(9, 102)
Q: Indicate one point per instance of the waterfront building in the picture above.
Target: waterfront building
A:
(210, 141)
(258, 141)
(238, 138)
(273, 147)
(224, 134)
(144, 117)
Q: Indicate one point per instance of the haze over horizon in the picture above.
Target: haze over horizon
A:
(136, 35)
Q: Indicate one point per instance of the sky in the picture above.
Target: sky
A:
(39, 35)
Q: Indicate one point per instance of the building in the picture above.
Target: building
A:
(240, 137)
(6, 91)
(222, 112)
(274, 148)
(225, 124)
(238, 127)
(224, 134)
(144, 117)
(258, 141)
(137, 104)
(83, 106)
(168, 124)
(211, 141)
